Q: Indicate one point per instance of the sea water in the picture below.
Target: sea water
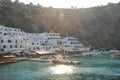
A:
(92, 68)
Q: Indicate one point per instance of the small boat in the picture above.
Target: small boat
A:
(115, 55)
(7, 59)
(66, 62)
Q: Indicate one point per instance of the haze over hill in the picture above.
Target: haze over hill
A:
(98, 26)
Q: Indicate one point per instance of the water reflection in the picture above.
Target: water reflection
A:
(62, 69)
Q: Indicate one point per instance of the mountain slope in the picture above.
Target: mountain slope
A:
(97, 26)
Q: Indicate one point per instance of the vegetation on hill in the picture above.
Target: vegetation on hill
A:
(98, 26)
(19, 15)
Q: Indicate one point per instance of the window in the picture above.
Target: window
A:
(58, 42)
(32, 43)
(2, 41)
(16, 41)
(10, 46)
(9, 41)
(37, 43)
(38, 48)
(4, 46)
(43, 47)
(15, 46)
(20, 46)
(42, 44)
(5, 33)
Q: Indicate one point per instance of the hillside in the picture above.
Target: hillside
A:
(98, 26)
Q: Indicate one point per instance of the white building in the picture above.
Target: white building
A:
(72, 44)
(53, 40)
(11, 31)
(16, 39)
(12, 39)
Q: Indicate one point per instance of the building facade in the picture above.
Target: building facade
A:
(12, 39)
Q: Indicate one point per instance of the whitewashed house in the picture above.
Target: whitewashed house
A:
(72, 44)
(12, 39)
(51, 40)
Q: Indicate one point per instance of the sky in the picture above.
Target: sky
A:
(69, 3)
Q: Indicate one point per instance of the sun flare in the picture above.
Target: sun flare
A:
(62, 69)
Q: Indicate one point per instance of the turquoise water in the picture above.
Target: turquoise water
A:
(95, 68)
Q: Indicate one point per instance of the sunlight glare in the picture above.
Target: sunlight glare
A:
(62, 69)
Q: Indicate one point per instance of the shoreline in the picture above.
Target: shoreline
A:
(51, 57)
